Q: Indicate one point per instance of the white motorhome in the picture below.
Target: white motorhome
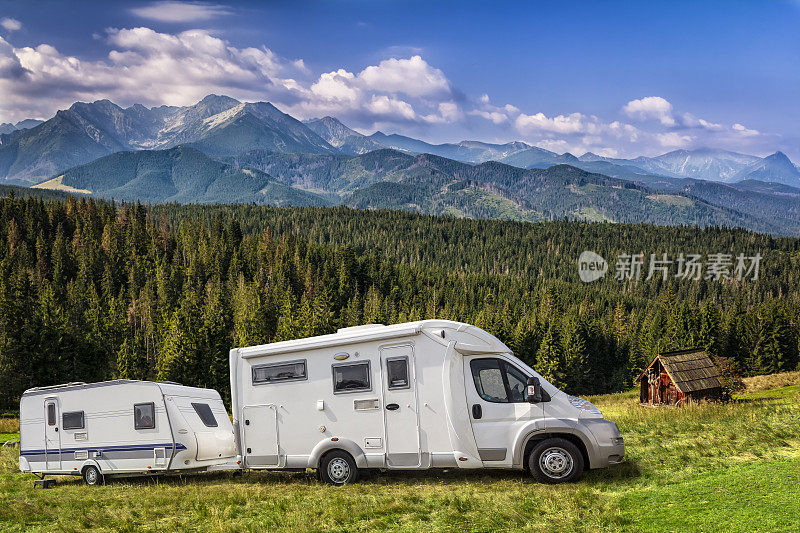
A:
(428, 394)
(122, 427)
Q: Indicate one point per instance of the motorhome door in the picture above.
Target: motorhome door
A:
(400, 407)
(260, 435)
(52, 436)
(498, 406)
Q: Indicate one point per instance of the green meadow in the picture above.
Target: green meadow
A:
(703, 467)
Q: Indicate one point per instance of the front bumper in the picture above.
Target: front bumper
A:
(608, 455)
(609, 447)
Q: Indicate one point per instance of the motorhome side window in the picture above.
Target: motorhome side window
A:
(144, 416)
(351, 377)
(205, 414)
(498, 381)
(73, 420)
(275, 372)
(397, 372)
(51, 414)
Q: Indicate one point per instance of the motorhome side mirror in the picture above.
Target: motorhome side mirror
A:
(534, 390)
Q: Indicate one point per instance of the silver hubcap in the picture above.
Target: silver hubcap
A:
(91, 476)
(556, 462)
(338, 470)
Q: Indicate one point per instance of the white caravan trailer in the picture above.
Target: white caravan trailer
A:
(429, 394)
(122, 427)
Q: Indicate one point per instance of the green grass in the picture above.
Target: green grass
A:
(704, 467)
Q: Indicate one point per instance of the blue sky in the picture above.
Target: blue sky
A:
(619, 78)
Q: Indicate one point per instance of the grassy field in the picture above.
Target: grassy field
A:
(706, 467)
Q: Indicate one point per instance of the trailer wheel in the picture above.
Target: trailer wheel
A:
(337, 468)
(556, 461)
(92, 475)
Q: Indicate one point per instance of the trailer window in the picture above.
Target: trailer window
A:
(397, 372)
(72, 420)
(144, 416)
(51, 414)
(275, 372)
(351, 377)
(205, 414)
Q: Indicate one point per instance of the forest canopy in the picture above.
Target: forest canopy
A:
(93, 290)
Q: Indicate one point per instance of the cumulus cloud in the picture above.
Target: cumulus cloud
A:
(173, 11)
(650, 107)
(413, 77)
(10, 24)
(572, 123)
(673, 139)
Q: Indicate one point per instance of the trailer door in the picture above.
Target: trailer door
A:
(52, 437)
(401, 415)
(260, 424)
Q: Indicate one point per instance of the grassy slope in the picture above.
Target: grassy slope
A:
(732, 467)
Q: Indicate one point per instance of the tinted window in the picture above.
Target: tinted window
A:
(272, 373)
(51, 414)
(498, 381)
(397, 372)
(351, 377)
(144, 416)
(489, 380)
(205, 414)
(73, 420)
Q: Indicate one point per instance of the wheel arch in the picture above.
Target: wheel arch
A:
(538, 437)
(329, 445)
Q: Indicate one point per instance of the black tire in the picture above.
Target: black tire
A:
(338, 468)
(556, 461)
(92, 475)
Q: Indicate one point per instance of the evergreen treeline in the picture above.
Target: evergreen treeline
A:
(93, 290)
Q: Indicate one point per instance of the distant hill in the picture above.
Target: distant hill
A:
(465, 151)
(180, 174)
(7, 127)
(435, 185)
(217, 125)
(347, 141)
(776, 168)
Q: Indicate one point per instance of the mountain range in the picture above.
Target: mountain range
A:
(221, 150)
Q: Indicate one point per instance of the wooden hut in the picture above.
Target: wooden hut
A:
(676, 377)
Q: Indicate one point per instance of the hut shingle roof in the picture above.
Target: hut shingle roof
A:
(690, 370)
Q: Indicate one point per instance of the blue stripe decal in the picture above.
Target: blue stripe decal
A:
(125, 448)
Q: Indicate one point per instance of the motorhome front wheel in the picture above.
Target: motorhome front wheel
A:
(556, 461)
(337, 468)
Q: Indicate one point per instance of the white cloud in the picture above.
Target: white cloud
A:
(172, 11)
(673, 139)
(741, 130)
(650, 107)
(10, 24)
(572, 123)
(413, 76)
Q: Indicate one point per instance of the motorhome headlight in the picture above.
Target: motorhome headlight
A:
(584, 405)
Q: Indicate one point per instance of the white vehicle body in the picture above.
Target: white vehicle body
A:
(123, 427)
(434, 414)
